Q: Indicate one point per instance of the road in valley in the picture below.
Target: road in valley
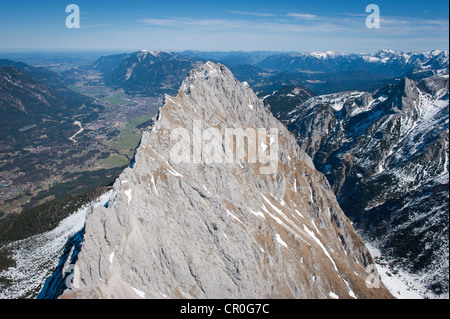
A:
(72, 138)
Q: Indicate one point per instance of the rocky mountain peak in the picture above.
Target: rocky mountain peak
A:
(208, 74)
(191, 220)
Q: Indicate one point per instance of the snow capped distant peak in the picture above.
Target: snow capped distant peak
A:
(369, 58)
(386, 54)
(319, 54)
(436, 52)
(386, 51)
(155, 53)
(322, 55)
(158, 52)
(407, 56)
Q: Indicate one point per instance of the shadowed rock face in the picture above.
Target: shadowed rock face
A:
(220, 230)
(385, 155)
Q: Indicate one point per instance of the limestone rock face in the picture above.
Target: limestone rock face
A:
(208, 227)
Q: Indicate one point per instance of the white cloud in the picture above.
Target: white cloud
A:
(158, 22)
(302, 15)
(253, 13)
(181, 22)
(308, 23)
(87, 26)
(300, 31)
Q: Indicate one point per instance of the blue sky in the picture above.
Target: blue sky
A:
(281, 25)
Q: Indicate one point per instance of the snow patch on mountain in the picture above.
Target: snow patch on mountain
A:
(37, 256)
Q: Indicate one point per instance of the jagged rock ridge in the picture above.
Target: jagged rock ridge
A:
(220, 230)
(385, 154)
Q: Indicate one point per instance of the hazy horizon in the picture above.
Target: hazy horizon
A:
(132, 50)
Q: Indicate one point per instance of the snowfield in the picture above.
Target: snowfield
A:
(401, 284)
(36, 257)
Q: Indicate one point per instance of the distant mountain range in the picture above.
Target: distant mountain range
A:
(329, 72)
(392, 63)
(146, 72)
(56, 81)
(36, 96)
(157, 72)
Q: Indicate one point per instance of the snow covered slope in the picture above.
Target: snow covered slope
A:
(36, 257)
(386, 63)
(385, 155)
